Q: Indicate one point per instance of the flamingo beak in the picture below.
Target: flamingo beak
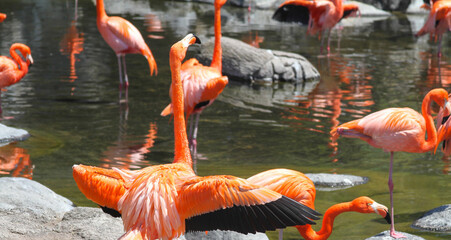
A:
(190, 39)
(381, 210)
(30, 59)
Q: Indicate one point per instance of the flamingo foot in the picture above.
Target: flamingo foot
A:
(396, 235)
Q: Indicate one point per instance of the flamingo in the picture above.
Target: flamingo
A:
(319, 15)
(443, 132)
(165, 201)
(299, 187)
(438, 22)
(2, 17)
(202, 84)
(398, 130)
(123, 38)
(12, 70)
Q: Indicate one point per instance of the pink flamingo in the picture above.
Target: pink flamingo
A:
(398, 130)
(123, 38)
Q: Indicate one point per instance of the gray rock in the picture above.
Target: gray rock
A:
(245, 62)
(330, 182)
(369, 10)
(386, 236)
(10, 134)
(224, 235)
(435, 220)
(389, 5)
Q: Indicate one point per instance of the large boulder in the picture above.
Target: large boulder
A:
(244, 62)
(435, 220)
(385, 235)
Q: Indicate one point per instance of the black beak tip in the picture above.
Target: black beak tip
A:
(197, 39)
(388, 218)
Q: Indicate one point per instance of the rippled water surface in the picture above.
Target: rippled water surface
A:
(69, 102)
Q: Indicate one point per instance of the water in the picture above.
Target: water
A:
(69, 102)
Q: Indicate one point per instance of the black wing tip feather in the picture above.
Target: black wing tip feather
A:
(110, 211)
(292, 13)
(282, 213)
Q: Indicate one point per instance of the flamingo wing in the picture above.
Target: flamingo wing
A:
(290, 183)
(294, 11)
(103, 186)
(440, 12)
(127, 38)
(231, 203)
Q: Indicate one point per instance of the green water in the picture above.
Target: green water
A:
(74, 115)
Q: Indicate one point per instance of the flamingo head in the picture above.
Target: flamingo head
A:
(220, 3)
(440, 96)
(178, 50)
(24, 50)
(2, 17)
(368, 205)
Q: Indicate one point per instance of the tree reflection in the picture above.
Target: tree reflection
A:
(15, 161)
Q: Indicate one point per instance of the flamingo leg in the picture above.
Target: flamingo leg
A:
(280, 234)
(328, 42)
(439, 53)
(125, 71)
(393, 233)
(120, 70)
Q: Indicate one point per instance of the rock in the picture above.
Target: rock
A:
(386, 236)
(435, 220)
(244, 62)
(414, 8)
(369, 10)
(389, 5)
(331, 182)
(10, 134)
(225, 235)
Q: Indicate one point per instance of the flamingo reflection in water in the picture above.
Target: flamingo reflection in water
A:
(71, 45)
(438, 70)
(15, 161)
(153, 25)
(253, 40)
(344, 87)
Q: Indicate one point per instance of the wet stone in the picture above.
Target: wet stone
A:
(331, 182)
(10, 134)
(225, 235)
(386, 236)
(435, 220)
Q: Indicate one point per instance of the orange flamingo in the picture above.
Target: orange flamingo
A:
(398, 130)
(12, 70)
(2, 17)
(164, 201)
(123, 38)
(443, 132)
(320, 15)
(299, 187)
(438, 22)
(202, 84)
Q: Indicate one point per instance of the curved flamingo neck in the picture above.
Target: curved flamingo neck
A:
(339, 7)
(216, 62)
(23, 66)
(100, 7)
(182, 152)
(328, 222)
(431, 131)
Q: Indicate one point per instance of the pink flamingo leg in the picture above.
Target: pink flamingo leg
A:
(125, 71)
(393, 233)
(120, 70)
(328, 42)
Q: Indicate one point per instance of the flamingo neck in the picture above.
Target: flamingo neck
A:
(217, 52)
(23, 66)
(339, 7)
(430, 127)
(182, 152)
(328, 222)
(100, 7)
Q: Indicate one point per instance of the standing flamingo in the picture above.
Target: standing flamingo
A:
(398, 130)
(202, 84)
(320, 15)
(123, 38)
(165, 201)
(13, 69)
(438, 22)
(443, 132)
(300, 188)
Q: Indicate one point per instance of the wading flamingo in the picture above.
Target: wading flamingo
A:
(438, 22)
(13, 69)
(398, 130)
(443, 132)
(320, 15)
(299, 187)
(2, 17)
(123, 38)
(202, 84)
(165, 201)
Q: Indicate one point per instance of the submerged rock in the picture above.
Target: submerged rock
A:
(435, 220)
(245, 62)
(10, 134)
(330, 182)
(386, 236)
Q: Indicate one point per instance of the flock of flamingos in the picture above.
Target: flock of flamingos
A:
(165, 201)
